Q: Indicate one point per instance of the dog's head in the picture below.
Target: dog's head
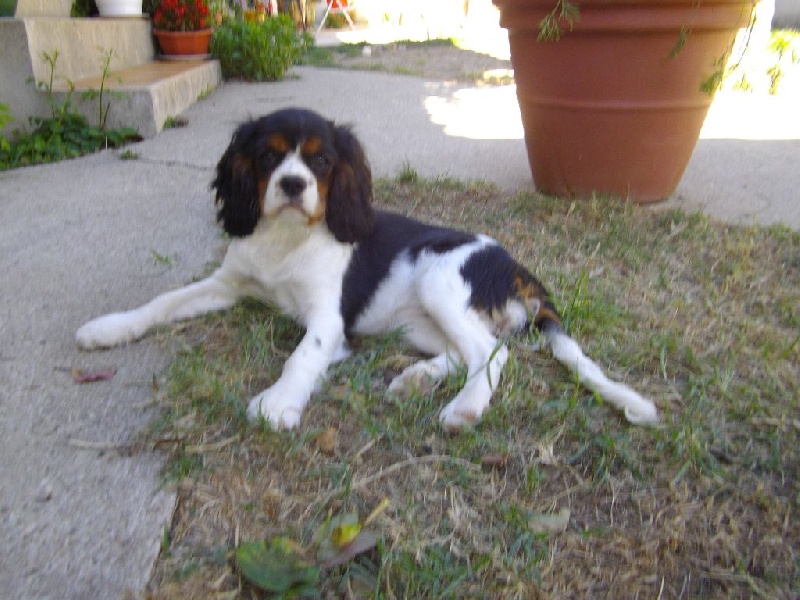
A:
(295, 160)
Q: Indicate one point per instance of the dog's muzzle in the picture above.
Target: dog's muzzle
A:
(293, 187)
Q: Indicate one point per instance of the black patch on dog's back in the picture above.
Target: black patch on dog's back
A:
(490, 273)
(373, 257)
(495, 278)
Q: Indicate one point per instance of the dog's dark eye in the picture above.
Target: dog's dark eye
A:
(269, 160)
(320, 163)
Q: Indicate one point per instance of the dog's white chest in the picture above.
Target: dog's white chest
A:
(298, 275)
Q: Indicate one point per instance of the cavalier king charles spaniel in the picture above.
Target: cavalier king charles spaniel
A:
(294, 192)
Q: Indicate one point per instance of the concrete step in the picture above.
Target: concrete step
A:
(144, 96)
(150, 90)
(81, 44)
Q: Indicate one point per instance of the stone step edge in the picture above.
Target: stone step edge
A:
(150, 93)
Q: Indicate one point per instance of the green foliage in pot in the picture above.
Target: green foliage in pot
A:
(83, 8)
(550, 27)
(257, 51)
(8, 8)
(566, 13)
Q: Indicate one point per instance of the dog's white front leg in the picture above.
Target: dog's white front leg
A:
(193, 300)
(282, 404)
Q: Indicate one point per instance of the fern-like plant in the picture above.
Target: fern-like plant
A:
(253, 51)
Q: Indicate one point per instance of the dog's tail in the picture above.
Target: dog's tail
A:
(528, 304)
(638, 410)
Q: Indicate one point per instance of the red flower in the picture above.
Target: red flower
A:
(181, 15)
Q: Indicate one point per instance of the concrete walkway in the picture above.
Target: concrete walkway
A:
(84, 237)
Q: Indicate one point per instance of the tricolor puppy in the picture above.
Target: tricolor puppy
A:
(295, 192)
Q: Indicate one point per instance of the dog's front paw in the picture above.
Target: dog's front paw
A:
(458, 418)
(280, 409)
(109, 330)
(464, 411)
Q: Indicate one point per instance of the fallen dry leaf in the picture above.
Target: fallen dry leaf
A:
(343, 537)
(548, 522)
(330, 557)
(277, 566)
(494, 461)
(326, 441)
(81, 376)
(546, 455)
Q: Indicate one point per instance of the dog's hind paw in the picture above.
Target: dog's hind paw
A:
(645, 413)
(419, 380)
(421, 377)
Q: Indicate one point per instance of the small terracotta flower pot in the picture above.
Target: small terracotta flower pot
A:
(184, 43)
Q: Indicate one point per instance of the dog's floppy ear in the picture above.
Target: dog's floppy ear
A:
(236, 185)
(349, 213)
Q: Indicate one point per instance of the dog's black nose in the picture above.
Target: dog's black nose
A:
(292, 186)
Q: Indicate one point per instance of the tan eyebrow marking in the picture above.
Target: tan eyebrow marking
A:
(311, 146)
(278, 143)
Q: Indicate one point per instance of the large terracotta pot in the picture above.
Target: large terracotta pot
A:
(184, 43)
(611, 107)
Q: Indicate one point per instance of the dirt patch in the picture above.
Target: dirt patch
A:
(440, 60)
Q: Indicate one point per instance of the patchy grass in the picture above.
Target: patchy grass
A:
(703, 317)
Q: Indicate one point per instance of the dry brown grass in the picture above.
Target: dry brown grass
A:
(703, 317)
